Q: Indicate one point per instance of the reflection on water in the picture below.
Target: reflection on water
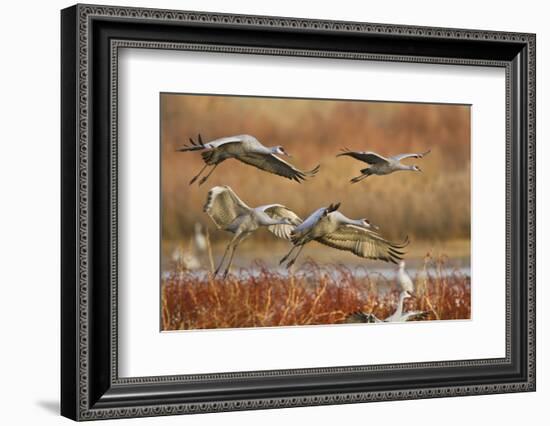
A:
(334, 273)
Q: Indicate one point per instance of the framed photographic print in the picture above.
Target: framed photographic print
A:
(263, 212)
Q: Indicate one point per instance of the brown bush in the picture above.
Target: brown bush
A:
(312, 295)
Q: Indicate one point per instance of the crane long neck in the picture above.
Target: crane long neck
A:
(401, 166)
(399, 310)
(346, 221)
(268, 221)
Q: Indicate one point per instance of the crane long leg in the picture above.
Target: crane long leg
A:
(238, 239)
(234, 249)
(285, 257)
(197, 175)
(208, 175)
(229, 246)
(289, 264)
(223, 258)
(359, 178)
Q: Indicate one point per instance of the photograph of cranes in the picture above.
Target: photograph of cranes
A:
(292, 212)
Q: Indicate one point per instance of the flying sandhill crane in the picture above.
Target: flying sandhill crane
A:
(231, 214)
(397, 316)
(248, 150)
(380, 165)
(330, 227)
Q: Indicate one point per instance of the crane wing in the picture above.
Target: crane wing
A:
(412, 155)
(361, 317)
(367, 156)
(216, 143)
(272, 164)
(364, 243)
(278, 211)
(224, 206)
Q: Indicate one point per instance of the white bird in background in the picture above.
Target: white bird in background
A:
(403, 279)
(397, 316)
(199, 239)
(184, 260)
(407, 291)
(380, 165)
(231, 214)
(248, 150)
(330, 227)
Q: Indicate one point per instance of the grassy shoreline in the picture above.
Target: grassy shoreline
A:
(311, 296)
(456, 253)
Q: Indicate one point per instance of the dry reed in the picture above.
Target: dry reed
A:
(313, 295)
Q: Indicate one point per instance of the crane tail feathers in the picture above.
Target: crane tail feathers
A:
(332, 207)
(189, 148)
(193, 145)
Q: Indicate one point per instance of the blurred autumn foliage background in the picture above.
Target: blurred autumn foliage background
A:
(432, 207)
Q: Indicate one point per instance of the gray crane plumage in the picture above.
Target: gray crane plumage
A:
(380, 165)
(248, 150)
(330, 227)
(231, 214)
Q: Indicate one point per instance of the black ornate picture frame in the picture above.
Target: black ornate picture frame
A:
(91, 37)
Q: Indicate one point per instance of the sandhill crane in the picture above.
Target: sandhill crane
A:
(330, 227)
(397, 316)
(248, 150)
(231, 214)
(380, 165)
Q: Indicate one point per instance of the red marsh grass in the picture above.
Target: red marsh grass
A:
(312, 295)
